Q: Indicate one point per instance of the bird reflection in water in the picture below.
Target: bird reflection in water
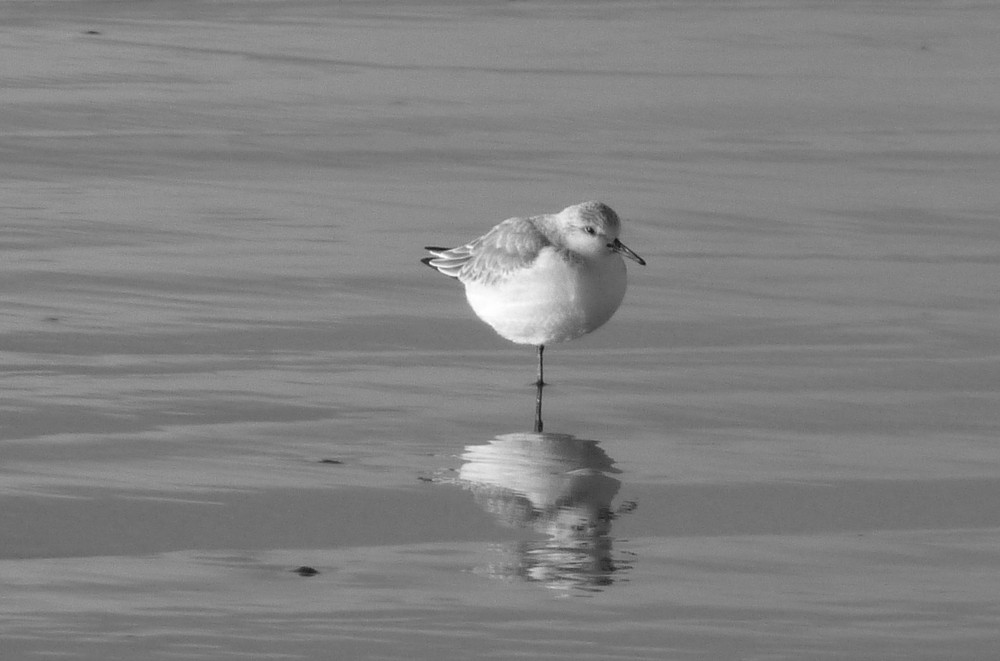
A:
(556, 485)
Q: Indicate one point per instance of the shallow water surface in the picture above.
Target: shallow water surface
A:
(223, 362)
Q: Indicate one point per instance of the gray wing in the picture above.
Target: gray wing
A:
(513, 244)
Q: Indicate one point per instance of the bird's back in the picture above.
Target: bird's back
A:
(511, 246)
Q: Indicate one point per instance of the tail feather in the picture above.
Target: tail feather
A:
(438, 262)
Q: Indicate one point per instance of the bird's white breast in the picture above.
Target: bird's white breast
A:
(553, 300)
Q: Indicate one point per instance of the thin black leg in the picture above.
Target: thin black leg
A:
(538, 393)
(538, 409)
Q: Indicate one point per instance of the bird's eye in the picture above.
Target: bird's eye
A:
(590, 230)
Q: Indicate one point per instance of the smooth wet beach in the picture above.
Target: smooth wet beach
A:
(222, 360)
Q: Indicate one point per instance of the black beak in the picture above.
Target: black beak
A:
(620, 248)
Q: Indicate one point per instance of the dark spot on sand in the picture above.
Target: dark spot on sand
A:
(330, 461)
(92, 32)
(627, 506)
(305, 571)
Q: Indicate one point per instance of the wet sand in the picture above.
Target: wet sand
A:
(222, 360)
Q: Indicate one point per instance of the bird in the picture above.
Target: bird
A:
(543, 279)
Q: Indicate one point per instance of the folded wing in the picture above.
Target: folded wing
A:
(512, 245)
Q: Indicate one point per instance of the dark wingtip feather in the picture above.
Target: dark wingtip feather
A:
(427, 261)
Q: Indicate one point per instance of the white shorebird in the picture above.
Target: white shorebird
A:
(543, 279)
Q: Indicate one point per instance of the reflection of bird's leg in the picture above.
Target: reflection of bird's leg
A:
(538, 408)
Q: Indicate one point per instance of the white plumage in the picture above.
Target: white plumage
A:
(543, 279)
